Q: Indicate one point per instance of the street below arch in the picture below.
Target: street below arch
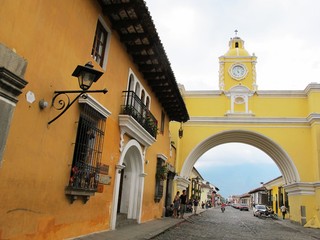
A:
(235, 224)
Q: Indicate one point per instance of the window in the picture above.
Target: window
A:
(163, 116)
(143, 110)
(161, 176)
(99, 44)
(88, 150)
(131, 83)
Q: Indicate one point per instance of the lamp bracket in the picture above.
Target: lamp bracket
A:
(63, 105)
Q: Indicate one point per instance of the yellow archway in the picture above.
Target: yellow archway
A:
(272, 149)
(284, 124)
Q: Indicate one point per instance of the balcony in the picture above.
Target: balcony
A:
(136, 119)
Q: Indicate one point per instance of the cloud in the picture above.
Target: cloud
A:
(237, 180)
(233, 154)
(236, 168)
(284, 35)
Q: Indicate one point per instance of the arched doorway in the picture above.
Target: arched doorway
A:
(128, 186)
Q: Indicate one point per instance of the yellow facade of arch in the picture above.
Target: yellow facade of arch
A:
(284, 124)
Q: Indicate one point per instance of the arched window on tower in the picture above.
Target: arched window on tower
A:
(237, 45)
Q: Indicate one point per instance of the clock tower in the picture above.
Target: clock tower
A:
(237, 76)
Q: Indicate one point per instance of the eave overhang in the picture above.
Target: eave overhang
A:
(132, 21)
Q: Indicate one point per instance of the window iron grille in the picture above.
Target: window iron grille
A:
(84, 174)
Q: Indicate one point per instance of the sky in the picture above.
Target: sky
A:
(283, 34)
(239, 172)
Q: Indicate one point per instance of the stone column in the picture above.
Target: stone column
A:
(12, 69)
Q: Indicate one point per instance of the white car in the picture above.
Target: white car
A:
(259, 208)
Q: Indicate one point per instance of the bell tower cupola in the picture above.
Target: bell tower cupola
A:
(237, 66)
(237, 75)
(236, 47)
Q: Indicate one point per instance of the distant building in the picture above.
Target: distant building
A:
(277, 196)
(209, 193)
(195, 187)
(259, 196)
(246, 199)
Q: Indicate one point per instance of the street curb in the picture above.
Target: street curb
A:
(159, 232)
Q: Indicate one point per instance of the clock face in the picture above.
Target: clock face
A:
(238, 71)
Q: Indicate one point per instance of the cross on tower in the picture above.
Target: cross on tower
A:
(236, 32)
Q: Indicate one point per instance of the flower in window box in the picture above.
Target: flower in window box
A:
(74, 171)
(162, 172)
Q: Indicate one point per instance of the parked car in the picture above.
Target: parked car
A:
(243, 207)
(236, 205)
(259, 208)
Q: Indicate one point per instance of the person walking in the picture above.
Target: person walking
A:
(202, 204)
(183, 203)
(195, 205)
(284, 211)
(176, 205)
(223, 207)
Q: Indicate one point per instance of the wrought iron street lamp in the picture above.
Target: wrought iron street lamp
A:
(86, 76)
(180, 131)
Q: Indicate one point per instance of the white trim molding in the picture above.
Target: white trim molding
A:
(162, 156)
(93, 103)
(301, 188)
(130, 126)
(182, 183)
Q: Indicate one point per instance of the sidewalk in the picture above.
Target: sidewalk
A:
(313, 232)
(145, 230)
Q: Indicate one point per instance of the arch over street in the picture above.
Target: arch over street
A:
(272, 149)
(284, 124)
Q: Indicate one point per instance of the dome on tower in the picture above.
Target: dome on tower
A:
(236, 47)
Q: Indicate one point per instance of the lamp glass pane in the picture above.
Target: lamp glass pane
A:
(86, 80)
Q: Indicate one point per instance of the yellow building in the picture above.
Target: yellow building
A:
(108, 155)
(195, 188)
(283, 124)
(277, 195)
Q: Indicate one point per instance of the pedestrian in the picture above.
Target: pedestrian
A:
(169, 211)
(284, 211)
(223, 207)
(195, 205)
(189, 206)
(183, 203)
(202, 204)
(176, 204)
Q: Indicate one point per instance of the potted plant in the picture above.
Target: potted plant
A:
(162, 172)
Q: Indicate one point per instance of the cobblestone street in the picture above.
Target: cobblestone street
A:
(235, 224)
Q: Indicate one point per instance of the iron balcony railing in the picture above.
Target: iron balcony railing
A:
(134, 107)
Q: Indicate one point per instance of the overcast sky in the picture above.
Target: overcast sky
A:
(283, 34)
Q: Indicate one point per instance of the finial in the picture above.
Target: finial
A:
(236, 32)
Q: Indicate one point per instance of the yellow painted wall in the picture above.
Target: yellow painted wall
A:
(54, 37)
(262, 106)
